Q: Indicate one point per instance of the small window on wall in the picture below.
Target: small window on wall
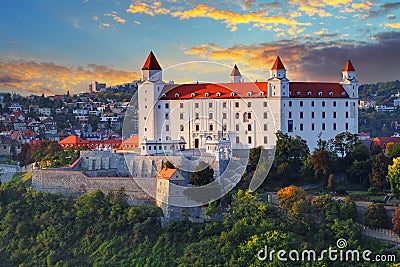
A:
(265, 104)
(265, 139)
(197, 128)
(265, 115)
(237, 127)
(180, 105)
(290, 126)
(237, 140)
(301, 127)
(249, 139)
(196, 105)
(167, 128)
(211, 127)
(166, 105)
(236, 104)
(249, 127)
(265, 127)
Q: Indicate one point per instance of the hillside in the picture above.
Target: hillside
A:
(382, 92)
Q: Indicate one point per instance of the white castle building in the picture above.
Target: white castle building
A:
(247, 114)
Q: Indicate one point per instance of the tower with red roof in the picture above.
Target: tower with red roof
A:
(236, 77)
(349, 82)
(278, 83)
(151, 70)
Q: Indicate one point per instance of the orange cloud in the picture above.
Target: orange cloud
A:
(141, 7)
(393, 25)
(38, 77)
(115, 17)
(232, 19)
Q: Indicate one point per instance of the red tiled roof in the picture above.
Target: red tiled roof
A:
(383, 141)
(72, 140)
(151, 63)
(349, 66)
(133, 140)
(316, 90)
(166, 173)
(278, 65)
(217, 91)
(250, 90)
(235, 71)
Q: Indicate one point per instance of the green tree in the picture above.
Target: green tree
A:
(379, 171)
(359, 171)
(394, 176)
(348, 209)
(203, 175)
(342, 143)
(375, 216)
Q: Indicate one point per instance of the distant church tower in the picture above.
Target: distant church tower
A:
(349, 82)
(278, 83)
(236, 77)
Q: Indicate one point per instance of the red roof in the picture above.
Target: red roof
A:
(213, 90)
(151, 63)
(250, 90)
(316, 90)
(383, 141)
(235, 71)
(278, 65)
(349, 66)
(166, 173)
(73, 140)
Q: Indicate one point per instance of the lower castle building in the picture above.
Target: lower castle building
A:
(247, 114)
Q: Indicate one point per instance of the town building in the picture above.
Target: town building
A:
(180, 116)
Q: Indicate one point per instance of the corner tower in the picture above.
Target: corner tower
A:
(236, 77)
(278, 84)
(151, 70)
(349, 81)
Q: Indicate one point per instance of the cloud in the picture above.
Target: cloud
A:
(376, 60)
(106, 25)
(138, 7)
(232, 19)
(47, 77)
(316, 7)
(384, 9)
(392, 25)
(115, 17)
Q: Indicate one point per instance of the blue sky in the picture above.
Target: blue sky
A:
(53, 46)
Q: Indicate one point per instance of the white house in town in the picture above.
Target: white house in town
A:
(248, 114)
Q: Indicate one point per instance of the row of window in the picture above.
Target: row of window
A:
(323, 126)
(323, 115)
(323, 103)
(249, 139)
(224, 105)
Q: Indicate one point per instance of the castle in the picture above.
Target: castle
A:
(175, 117)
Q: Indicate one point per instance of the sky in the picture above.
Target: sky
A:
(52, 46)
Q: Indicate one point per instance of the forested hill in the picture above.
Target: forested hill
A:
(381, 92)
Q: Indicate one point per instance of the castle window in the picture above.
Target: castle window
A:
(290, 126)
(193, 94)
(164, 96)
(196, 116)
(237, 140)
(319, 93)
(249, 127)
(261, 93)
(312, 126)
(343, 93)
(197, 127)
(323, 103)
(298, 93)
(290, 114)
(167, 128)
(334, 103)
(249, 93)
(237, 127)
(301, 114)
(177, 95)
(236, 104)
(347, 126)
(182, 128)
(334, 126)
(196, 105)
(265, 127)
(249, 115)
(219, 94)
(301, 103)
(224, 104)
(211, 127)
(265, 104)
(249, 104)
(330, 93)
(207, 94)
(181, 116)
(323, 126)
(290, 103)
(180, 105)
(224, 116)
(309, 93)
(323, 114)
(166, 116)
(312, 103)
(265, 115)
(210, 116)
(347, 114)
(249, 139)
(209, 105)
(233, 94)
(166, 105)
(301, 127)
(312, 114)
(334, 114)
(237, 115)
(265, 139)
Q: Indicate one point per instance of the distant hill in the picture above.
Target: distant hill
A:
(381, 92)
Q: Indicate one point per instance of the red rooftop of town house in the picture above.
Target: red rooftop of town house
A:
(166, 173)
(278, 65)
(151, 63)
(349, 66)
(383, 141)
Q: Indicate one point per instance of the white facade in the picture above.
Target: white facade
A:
(247, 114)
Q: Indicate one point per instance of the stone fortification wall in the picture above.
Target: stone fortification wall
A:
(75, 183)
